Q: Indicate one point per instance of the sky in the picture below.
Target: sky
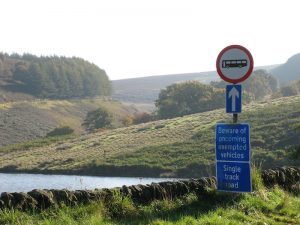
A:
(137, 38)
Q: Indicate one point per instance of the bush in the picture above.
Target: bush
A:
(144, 128)
(293, 89)
(137, 118)
(99, 118)
(142, 118)
(128, 120)
(120, 207)
(159, 126)
(60, 131)
(257, 182)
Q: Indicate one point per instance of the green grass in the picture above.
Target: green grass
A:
(181, 146)
(275, 206)
(41, 142)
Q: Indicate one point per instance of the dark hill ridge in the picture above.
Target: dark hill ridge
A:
(289, 71)
(146, 89)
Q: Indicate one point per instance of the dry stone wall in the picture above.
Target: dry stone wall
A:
(286, 177)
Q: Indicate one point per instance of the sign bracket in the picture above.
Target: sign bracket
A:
(235, 118)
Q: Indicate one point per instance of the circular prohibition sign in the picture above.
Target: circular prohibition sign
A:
(234, 64)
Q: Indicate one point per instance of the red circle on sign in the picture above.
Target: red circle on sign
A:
(247, 74)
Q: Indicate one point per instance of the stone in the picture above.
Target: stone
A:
(136, 191)
(6, 198)
(23, 201)
(126, 191)
(64, 196)
(44, 198)
(2, 204)
(82, 196)
(159, 193)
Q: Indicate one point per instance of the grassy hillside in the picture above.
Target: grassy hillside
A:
(26, 120)
(181, 146)
(8, 96)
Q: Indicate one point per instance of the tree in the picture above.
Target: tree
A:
(259, 85)
(295, 151)
(55, 77)
(21, 72)
(293, 89)
(36, 80)
(99, 118)
(187, 98)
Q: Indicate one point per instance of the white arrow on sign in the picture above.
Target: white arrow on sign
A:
(233, 93)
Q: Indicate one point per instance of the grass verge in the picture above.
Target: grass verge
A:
(275, 206)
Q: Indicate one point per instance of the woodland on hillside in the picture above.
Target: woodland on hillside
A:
(52, 76)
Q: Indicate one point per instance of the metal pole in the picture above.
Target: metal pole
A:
(235, 118)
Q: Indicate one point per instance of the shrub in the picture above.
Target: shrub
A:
(128, 120)
(120, 206)
(60, 131)
(257, 182)
(159, 126)
(142, 118)
(144, 128)
(99, 118)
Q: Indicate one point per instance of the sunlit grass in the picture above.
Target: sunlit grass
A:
(182, 146)
(278, 207)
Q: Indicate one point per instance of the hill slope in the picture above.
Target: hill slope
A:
(176, 147)
(288, 72)
(26, 120)
(146, 89)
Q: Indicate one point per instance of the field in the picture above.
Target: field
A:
(179, 147)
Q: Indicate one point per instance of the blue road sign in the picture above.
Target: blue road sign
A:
(233, 142)
(233, 157)
(234, 176)
(234, 98)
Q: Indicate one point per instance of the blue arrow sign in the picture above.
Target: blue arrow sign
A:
(234, 98)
